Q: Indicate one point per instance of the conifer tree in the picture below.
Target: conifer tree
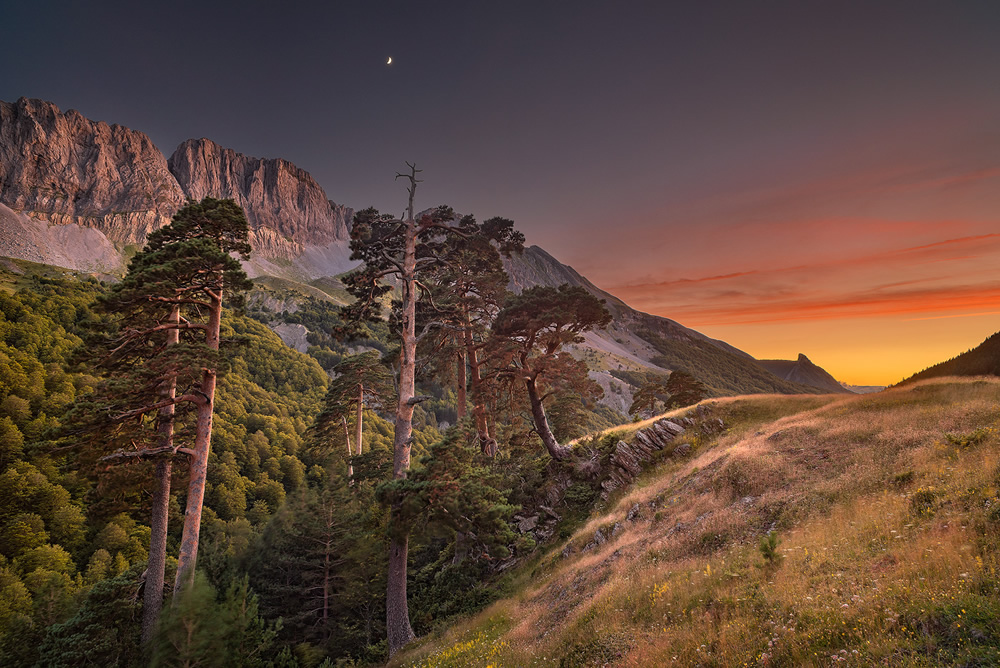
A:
(166, 315)
(407, 251)
(359, 381)
(533, 327)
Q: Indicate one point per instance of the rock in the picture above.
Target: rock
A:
(616, 529)
(66, 169)
(673, 427)
(285, 206)
(682, 450)
(551, 513)
(527, 524)
(599, 537)
(633, 513)
(294, 335)
(567, 551)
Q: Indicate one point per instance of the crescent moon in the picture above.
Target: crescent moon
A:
(389, 62)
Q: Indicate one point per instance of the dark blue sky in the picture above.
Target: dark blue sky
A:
(645, 143)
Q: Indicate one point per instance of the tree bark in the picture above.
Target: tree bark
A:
(461, 383)
(350, 451)
(487, 443)
(152, 601)
(188, 555)
(556, 451)
(397, 614)
(361, 408)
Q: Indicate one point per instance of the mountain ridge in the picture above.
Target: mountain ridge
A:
(63, 177)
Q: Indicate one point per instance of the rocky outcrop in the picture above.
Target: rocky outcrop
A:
(286, 208)
(629, 458)
(66, 169)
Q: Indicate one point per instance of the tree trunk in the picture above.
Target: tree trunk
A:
(397, 614)
(152, 600)
(557, 451)
(350, 451)
(461, 383)
(487, 444)
(188, 555)
(361, 408)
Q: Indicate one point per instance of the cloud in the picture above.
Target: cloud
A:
(948, 276)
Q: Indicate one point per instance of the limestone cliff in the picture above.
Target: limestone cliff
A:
(286, 208)
(66, 169)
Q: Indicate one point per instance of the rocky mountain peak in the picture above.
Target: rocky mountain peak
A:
(283, 203)
(67, 169)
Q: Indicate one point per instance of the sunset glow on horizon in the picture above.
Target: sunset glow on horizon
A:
(818, 178)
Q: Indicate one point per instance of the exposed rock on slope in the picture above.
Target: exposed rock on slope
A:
(66, 169)
(637, 340)
(286, 208)
(71, 246)
(804, 371)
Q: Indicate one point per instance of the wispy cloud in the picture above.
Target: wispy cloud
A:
(949, 276)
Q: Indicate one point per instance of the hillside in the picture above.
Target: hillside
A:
(886, 545)
(637, 341)
(802, 370)
(983, 360)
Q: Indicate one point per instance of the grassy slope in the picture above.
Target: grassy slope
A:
(888, 517)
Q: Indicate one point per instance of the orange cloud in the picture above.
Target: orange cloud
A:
(942, 277)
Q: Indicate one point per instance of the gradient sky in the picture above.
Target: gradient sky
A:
(816, 177)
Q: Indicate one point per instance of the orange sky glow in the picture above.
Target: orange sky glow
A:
(874, 276)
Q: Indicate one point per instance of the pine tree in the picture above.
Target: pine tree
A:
(166, 315)
(408, 251)
(533, 327)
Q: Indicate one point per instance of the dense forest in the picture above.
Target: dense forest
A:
(109, 401)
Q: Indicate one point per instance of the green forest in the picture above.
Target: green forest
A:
(179, 487)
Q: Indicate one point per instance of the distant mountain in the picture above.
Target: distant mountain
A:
(804, 371)
(863, 389)
(640, 341)
(983, 360)
(84, 194)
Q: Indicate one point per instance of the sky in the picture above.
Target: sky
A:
(790, 177)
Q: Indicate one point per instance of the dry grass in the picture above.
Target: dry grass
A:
(888, 515)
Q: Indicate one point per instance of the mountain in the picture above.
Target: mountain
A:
(983, 360)
(62, 174)
(68, 170)
(637, 341)
(83, 194)
(804, 371)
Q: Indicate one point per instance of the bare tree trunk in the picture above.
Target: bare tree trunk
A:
(152, 600)
(361, 408)
(350, 451)
(461, 382)
(188, 555)
(557, 451)
(397, 614)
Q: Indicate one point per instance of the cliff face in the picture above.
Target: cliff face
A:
(286, 208)
(66, 169)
